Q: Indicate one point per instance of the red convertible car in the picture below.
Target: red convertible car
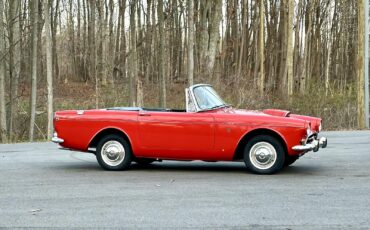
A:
(208, 129)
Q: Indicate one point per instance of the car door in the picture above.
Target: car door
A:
(176, 135)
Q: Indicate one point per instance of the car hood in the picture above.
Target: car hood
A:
(313, 122)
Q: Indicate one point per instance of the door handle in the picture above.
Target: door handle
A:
(144, 114)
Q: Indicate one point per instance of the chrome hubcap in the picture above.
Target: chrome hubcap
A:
(262, 155)
(113, 153)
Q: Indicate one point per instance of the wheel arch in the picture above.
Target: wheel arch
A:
(108, 131)
(239, 152)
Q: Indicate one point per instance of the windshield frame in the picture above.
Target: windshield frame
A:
(194, 99)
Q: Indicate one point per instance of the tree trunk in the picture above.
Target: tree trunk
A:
(35, 16)
(149, 41)
(101, 51)
(360, 65)
(111, 47)
(327, 68)
(139, 93)
(117, 47)
(162, 76)
(297, 43)
(283, 45)
(133, 54)
(208, 31)
(49, 68)
(40, 60)
(92, 49)
(72, 41)
(214, 35)
(123, 60)
(190, 42)
(14, 63)
(261, 49)
(244, 28)
(78, 43)
(202, 34)
(306, 57)
(54, 25)
(85, 29)
(290, 49)
(3, 128)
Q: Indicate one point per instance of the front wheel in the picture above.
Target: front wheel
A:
(264, 154)
(113, 153)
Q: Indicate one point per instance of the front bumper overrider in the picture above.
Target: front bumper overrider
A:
(314, 145)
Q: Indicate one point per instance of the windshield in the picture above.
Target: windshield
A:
(207, 98)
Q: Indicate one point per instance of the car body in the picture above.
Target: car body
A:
(208, 129)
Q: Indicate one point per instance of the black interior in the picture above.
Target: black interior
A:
(163, 110)
(125, 108)
(146, 109)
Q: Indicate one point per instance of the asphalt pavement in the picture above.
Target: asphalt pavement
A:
(44, 187)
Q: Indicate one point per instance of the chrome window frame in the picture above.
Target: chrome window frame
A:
(190, 93)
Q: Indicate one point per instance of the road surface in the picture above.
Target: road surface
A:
(42, 186)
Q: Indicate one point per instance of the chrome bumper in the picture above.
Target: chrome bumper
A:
(57, 140)
(315, 145)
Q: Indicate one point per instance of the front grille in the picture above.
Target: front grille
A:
(311, 138)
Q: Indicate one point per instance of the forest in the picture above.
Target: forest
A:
(298, 55)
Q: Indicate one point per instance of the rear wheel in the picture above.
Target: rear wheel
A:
(113, 153)
(263, 154)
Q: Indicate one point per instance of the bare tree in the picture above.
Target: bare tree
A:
(72, 46)
(122, 44)
(92, 49)
(306, 58)
(290, 49)
(261, 48)
(14, 62)
(34, 17)
(190, 42)
(133, 54)
(49, 68)
(162, 75)
(360, 65)
(54, 24)
(209, 34)
(3, 128)
(100, 39)
(111, 45)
